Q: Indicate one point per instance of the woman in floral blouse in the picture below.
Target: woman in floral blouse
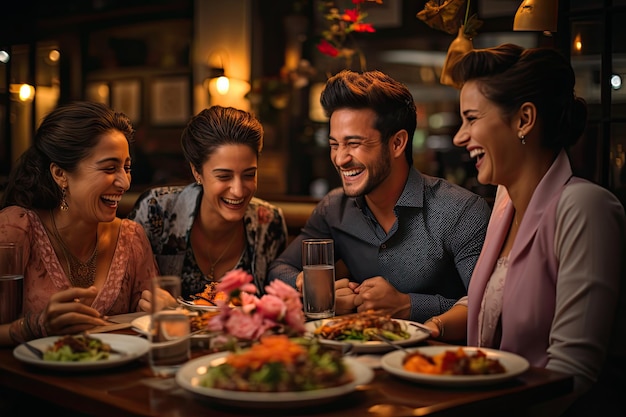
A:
(207, 228)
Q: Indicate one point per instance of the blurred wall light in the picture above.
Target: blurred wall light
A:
(218, 83)
(537, 15)
(53, 56)
(578, 43)
(4, 56)
(22, 92)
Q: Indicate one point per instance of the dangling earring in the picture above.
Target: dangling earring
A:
(64, 205)
(522, 138)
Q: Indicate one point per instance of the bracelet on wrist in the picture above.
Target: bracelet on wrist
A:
(439, 325)
(15, 331)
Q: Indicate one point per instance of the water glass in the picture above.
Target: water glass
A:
(11, 282)
(318, 286)
(169, 327)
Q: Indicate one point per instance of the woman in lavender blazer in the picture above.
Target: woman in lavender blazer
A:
(548, 284)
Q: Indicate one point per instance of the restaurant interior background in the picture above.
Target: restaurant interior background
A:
(158, 61)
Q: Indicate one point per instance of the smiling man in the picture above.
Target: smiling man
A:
(408, 240)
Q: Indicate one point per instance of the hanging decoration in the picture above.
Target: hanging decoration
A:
(446, 16)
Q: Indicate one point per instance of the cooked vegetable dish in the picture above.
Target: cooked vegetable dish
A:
(279, 364)
(453, 362)
(363, 327)
(209, 296)
(79, 348)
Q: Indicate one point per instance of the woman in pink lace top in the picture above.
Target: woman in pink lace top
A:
(80, 261)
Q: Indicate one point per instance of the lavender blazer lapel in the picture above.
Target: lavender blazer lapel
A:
(548, 189)
(501, 216)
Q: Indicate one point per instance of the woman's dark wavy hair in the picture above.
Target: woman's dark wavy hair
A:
(510, 75)
(217, 126)
(65, 137)
(391, 101)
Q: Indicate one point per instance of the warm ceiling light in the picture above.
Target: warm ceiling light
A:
(537, 15)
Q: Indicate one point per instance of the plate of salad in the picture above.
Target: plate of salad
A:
(278, 372)
(363, 332)
(80, 353)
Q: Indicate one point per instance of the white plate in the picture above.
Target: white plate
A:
(134, 347)
(142, 325)
(198, 307)
(513, 364)
(190, 374)
(372, 346)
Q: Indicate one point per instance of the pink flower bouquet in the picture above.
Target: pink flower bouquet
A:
(279, 311)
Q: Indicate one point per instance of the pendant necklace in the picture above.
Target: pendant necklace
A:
(80, 274)
(212, 265)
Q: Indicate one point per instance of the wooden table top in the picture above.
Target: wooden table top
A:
(131, 390)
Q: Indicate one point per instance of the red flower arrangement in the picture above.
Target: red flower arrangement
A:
(337, 40)
(279, 311)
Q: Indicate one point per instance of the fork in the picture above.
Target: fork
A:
(389, 342)
(36, 351)
(421, 327)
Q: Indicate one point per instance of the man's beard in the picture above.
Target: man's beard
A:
(376, 174)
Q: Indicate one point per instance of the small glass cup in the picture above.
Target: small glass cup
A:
(318, 285)
(11, 283)
(169, 327)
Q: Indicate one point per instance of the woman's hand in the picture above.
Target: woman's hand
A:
(69, 312)
(164, 300)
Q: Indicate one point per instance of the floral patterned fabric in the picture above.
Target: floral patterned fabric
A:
(130, 273)
(167, 214)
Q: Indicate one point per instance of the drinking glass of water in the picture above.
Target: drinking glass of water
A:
(318, 286)
(11, 282)
(169, 327)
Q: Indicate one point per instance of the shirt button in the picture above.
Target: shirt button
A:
(383, 246)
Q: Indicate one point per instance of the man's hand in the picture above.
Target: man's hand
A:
(377, 293)
(345, 296)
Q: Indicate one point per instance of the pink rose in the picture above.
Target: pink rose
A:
(271, 307)
(216, 323)
(242, 325)
(282, 290)
(265, 327)
(249, 302)
(294, 318)
(234, 280)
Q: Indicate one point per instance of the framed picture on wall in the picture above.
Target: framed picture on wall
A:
(170, 98)
(126, 98)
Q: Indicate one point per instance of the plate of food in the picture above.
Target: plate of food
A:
(363, 332)
(314, 374)
(197, 322)
(205, 300)
(83, 352)
(447, 365)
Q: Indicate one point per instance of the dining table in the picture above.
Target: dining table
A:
(132, 390)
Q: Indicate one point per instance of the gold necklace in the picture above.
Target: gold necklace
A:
(80, 274)
(211, 274)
